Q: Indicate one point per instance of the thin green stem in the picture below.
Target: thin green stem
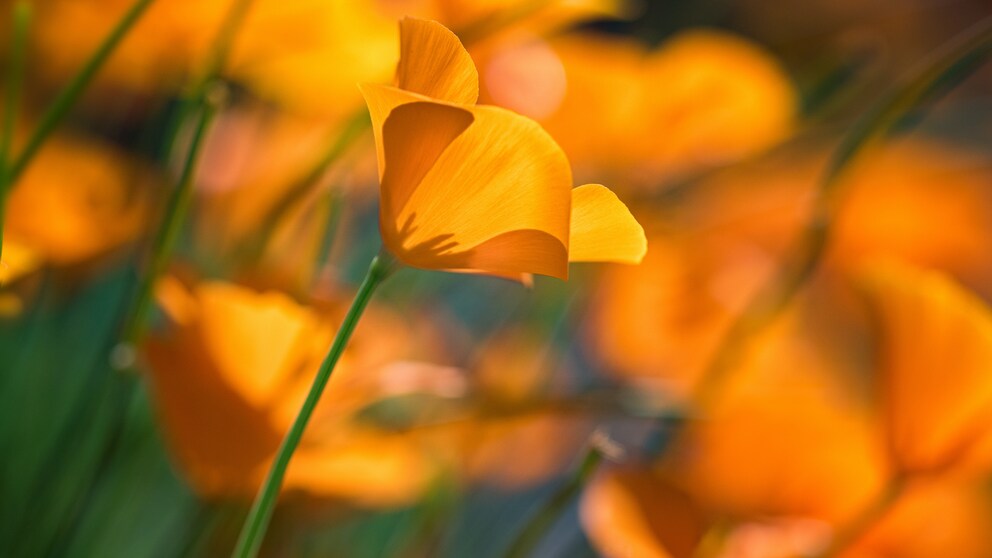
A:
(333, 223)
(205, 95)
(12, 99)
(71, 93)
(257, 523)
(353, 129)
(533, 532)
(198, 87)
(221, 47)
(164, 240)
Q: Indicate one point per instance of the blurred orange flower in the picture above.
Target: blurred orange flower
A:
(305, 55)
(785, 460)
(631, 512)
(467, 187)
(934, 361)
(915, 199)
(78, 200)
(787, 435)
(229, 377)
(469, 16)
(920, 201)
(18, 260)
(640, 118)
(657, 324)
(932, 518)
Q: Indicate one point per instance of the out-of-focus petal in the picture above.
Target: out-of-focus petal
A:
(369, 468)
(229, 378)
(18, 260)
(629, 512)
(602, 228)
(434, 63)
(78, 200)
(784, 437)
(934, 362)
(718, 98)
(935, 518)
(497, 198)
(525, 15)
(659, 322)
(640, 118)
(231, 314)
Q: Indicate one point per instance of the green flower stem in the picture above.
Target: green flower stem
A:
(352, 130)
(71, 93)
(194, 92)
(533, 532)
(206, 96)
(165, 239)
(333, 224)
(12, 99)
(261, 512)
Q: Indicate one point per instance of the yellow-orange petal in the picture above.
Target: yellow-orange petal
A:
(602, 228)
(723, 98)
(17, 261)
(934, 517)
(434, 63)
(935, 358)
(496, 199)
(381, 100)
(367, 467)
(429, 128)
(231, 313)
(631, 513)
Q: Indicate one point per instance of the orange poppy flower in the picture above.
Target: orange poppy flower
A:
(639, 117)
(932, 518)
(914, 199)
(629, 512)
(228, 380)
(785, 436)
(919, 201)
(934, 361)
(466, 187)
(18, 260)
(78, 200)
(657, 324)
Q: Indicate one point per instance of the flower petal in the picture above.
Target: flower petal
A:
(366, 467)
(434, 63)
(417, 137)
(631, 512)
(935, 359)
(496, 199)
(602, 228)
(381, 100)
(17, 260)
